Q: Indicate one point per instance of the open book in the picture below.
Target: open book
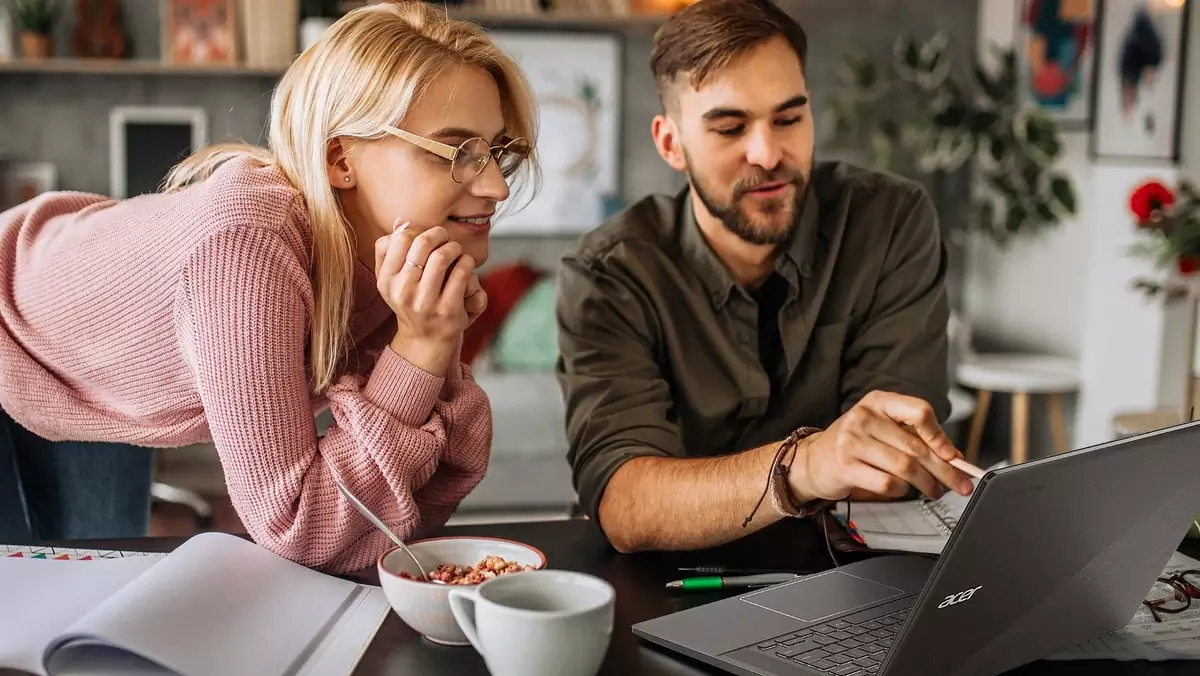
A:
(921, 525)
(217, 605)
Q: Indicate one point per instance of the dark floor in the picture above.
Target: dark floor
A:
(174, 520)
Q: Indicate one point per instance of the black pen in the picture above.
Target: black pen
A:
(724, 570)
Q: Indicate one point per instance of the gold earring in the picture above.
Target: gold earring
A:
(346, 179)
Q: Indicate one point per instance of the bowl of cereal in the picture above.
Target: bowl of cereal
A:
(454, 561)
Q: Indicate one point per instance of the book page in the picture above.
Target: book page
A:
(43, 597)
(1177, 637)
(263, 611)
(340, 650)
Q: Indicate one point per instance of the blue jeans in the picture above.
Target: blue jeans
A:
(71, 489)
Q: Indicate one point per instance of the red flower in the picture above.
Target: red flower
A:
(1188, 264)
(1149, 198)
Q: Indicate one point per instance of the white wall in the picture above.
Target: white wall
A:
(1122, 339)
(1190, 137)
(1067, 292)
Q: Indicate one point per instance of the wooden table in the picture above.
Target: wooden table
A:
(639, 581)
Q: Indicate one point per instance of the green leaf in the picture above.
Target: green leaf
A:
(1044, 211)
(1063, 192)
(1017, 217)
(953, 116)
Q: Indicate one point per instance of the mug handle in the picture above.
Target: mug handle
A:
(459, 598)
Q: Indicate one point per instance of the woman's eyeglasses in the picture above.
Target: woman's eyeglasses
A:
(471, 157)
(1184, 586)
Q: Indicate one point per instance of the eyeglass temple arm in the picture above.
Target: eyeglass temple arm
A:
(435, 147)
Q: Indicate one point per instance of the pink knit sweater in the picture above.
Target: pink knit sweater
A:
(167, 320)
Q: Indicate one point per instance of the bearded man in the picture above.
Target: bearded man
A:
(768, 341)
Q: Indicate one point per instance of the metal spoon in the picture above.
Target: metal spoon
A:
(362, 509)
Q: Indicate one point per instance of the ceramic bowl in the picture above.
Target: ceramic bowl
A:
(425, 606)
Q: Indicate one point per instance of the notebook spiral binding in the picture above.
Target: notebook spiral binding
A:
(945, 520)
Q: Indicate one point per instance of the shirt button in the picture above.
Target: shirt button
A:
(744, 337)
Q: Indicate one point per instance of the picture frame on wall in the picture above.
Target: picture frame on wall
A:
(576, 81)
(200, 32)
(1055, 54)
(145, 142)
(1142, 53)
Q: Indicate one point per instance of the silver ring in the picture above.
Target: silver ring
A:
(415, 265)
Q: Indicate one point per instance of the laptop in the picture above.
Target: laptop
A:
(1048, 554)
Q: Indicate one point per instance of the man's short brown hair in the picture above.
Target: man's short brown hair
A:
(710, 35)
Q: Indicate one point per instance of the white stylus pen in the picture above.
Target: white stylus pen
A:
(968, 468)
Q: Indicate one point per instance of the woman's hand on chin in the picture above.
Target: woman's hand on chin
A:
(427, 281)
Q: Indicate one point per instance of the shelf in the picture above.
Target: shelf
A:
(539, 20)
(131, 67)
(565, 20)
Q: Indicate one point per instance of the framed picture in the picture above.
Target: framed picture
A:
(22, 181)
(1140, 69)
(1055, 52)
(576, 81)
(145, 142)
(200, 31)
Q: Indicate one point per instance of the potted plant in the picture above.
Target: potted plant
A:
(936, 124)
(1169, 222)
(318, 15)
(35, 21)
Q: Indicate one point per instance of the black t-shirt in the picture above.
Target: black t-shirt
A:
(770, 298)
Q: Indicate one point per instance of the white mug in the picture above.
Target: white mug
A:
(538, 623)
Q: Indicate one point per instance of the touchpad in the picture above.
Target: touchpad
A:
(823, 595)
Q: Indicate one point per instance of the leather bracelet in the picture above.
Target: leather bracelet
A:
(781, 493)
(777, 485)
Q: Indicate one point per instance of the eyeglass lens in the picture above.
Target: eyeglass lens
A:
(1174, 594)
(474, 155)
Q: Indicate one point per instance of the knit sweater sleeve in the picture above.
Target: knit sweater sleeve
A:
(243, 310)
(458, 464)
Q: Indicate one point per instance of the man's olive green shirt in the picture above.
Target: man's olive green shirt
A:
(660, 348)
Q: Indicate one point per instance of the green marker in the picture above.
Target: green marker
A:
(720, 582)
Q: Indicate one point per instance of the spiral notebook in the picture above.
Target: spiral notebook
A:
(921, 525)
(217, 605)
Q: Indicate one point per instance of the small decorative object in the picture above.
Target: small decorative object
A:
(98, 32)
(1055, 51)
(6, 32)
(35, 21)
(1169, 220)
(200, 32)
(318, 15)
(147, 141)
(1014, 146)
(269, 32)
(1139, 76)
(25, 180)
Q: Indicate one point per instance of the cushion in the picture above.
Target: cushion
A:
(528, 338)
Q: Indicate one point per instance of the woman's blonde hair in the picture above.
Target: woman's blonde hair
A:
(365, 72)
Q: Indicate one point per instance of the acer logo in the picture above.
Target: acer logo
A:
(959, 597)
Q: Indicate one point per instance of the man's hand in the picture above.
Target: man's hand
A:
(881, 446)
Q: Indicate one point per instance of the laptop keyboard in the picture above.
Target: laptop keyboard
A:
(842, 647)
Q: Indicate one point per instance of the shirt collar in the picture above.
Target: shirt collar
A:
(795, 263)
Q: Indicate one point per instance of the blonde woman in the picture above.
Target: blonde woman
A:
(334, 268)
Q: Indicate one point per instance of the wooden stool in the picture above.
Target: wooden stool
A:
(1021, 375)
(1131, 424)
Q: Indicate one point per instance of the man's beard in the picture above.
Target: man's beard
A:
(736, 219)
